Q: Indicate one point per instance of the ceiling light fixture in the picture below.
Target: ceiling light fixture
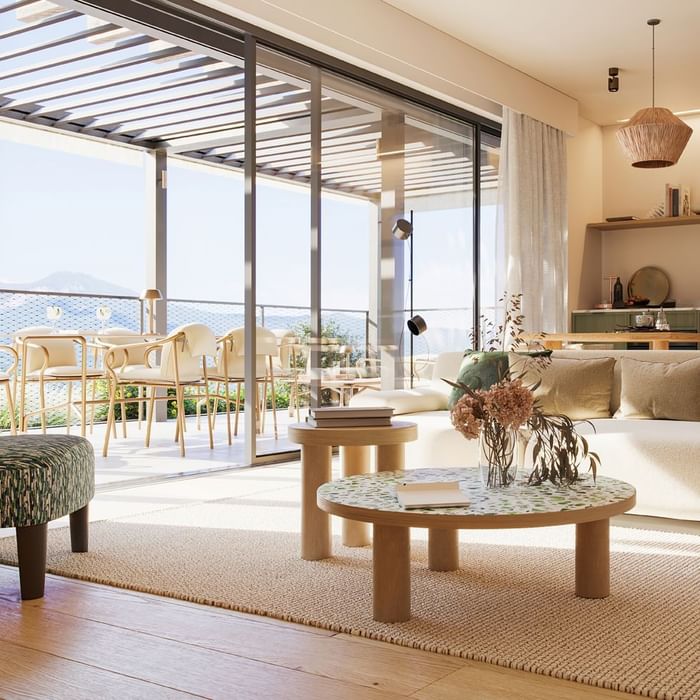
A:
(654, 137)
(613, 80)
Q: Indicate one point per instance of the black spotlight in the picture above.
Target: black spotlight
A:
(402, 229)
(417, 325)
(613, 80)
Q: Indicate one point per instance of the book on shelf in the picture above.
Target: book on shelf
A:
(677, 202)
(612, 219)
(338, 412)
(348, 422)
(430, 494)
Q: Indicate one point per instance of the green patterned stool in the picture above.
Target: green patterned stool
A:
(42, 478)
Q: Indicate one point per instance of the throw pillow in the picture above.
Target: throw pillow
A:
(481, 370)
(580, 389)
(669, 390)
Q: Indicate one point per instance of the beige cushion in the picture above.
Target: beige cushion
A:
(422, 398)
(662, 390)
(580, 389)
(66, 371)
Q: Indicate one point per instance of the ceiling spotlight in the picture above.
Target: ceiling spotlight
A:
(613, 80)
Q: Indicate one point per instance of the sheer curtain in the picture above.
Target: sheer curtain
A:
(533, 219)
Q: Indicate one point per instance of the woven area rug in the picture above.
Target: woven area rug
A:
(511, 604)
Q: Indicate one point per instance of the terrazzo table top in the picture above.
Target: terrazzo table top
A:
(377, 492)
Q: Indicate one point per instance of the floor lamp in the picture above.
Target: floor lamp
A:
(403, 231)
(151, 296)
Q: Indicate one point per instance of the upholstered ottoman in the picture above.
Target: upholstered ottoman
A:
(42, 478)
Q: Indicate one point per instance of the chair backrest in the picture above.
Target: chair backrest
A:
(61, 351)
(234, 349)
(123, 336)
(196, 341)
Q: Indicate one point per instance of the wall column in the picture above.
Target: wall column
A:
(391, 251)
(156, 169)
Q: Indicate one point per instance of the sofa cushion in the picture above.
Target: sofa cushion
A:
(481, 370)
(662, 390)
(580, 389)
(422, 398)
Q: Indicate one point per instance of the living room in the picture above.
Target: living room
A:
(222, 563)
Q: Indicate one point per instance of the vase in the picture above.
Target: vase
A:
(497, 455)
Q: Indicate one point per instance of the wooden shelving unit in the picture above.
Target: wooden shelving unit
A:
(647, 223)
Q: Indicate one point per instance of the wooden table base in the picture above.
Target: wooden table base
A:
(315, 524)
(391, 573)
(593, 559)
(443, 550)
(355, 460)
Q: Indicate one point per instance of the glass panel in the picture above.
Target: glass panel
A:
(283, 244)
(386, 160)
(492, 253)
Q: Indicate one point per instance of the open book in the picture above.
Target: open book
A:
(430, 494)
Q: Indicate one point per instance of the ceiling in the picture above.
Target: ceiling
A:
(570, 45)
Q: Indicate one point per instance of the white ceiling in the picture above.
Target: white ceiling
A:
(570, 44)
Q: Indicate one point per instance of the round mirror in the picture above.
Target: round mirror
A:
(649, 283)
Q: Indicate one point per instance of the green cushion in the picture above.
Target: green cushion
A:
(481, 370)
(44, 477)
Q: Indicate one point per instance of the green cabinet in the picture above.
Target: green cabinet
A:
(599, 321)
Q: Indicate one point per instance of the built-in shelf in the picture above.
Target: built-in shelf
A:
(646, 223)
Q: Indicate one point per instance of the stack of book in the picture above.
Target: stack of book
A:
(677, 202)
(349, 417)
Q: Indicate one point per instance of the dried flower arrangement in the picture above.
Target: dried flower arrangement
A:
(493, 415)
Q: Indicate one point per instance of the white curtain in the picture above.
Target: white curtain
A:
(533, 219)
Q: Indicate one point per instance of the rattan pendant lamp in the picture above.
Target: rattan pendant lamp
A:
(654, 137)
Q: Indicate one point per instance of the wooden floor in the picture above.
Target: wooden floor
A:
(84, 640)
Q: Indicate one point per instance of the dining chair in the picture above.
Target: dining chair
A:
(183, 364)
(112, 338)
(8, 379)
(230, 369)
(49, 358)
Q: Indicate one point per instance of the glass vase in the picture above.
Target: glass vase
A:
(498, 462)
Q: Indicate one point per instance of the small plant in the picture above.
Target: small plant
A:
(558, 449)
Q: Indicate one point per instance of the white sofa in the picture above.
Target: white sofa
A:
(661, 458)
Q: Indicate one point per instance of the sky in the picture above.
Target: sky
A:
(84, 210)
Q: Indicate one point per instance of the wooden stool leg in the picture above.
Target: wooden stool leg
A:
(443, 550)
(391, 574)
(79, 530)
(390, 457)
(31, 553)
(593, 559)
(315, 524)
(355, 460)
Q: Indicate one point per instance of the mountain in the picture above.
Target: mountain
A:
(65, 281)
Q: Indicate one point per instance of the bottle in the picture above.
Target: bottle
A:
(661, 321)
(618, 301)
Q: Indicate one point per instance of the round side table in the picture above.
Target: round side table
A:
(316, 445)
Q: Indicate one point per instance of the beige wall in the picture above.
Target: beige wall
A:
(585, 196)
(376, 36)
(634, 191)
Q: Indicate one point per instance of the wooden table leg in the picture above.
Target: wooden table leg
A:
(390, 457)
(659, 345)
(443, 550)
(391, 574)
(315, 524)
(355, 460)
(593, 559)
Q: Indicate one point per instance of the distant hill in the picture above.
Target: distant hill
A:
(65, 281)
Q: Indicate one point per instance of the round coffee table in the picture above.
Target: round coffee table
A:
(371, 498)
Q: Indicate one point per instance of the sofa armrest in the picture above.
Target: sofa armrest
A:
(423, 398)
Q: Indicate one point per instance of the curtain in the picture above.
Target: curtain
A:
(533, 219)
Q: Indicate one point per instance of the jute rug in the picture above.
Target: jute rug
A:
(512, 603)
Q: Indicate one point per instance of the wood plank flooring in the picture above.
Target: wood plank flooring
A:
(85, 640)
